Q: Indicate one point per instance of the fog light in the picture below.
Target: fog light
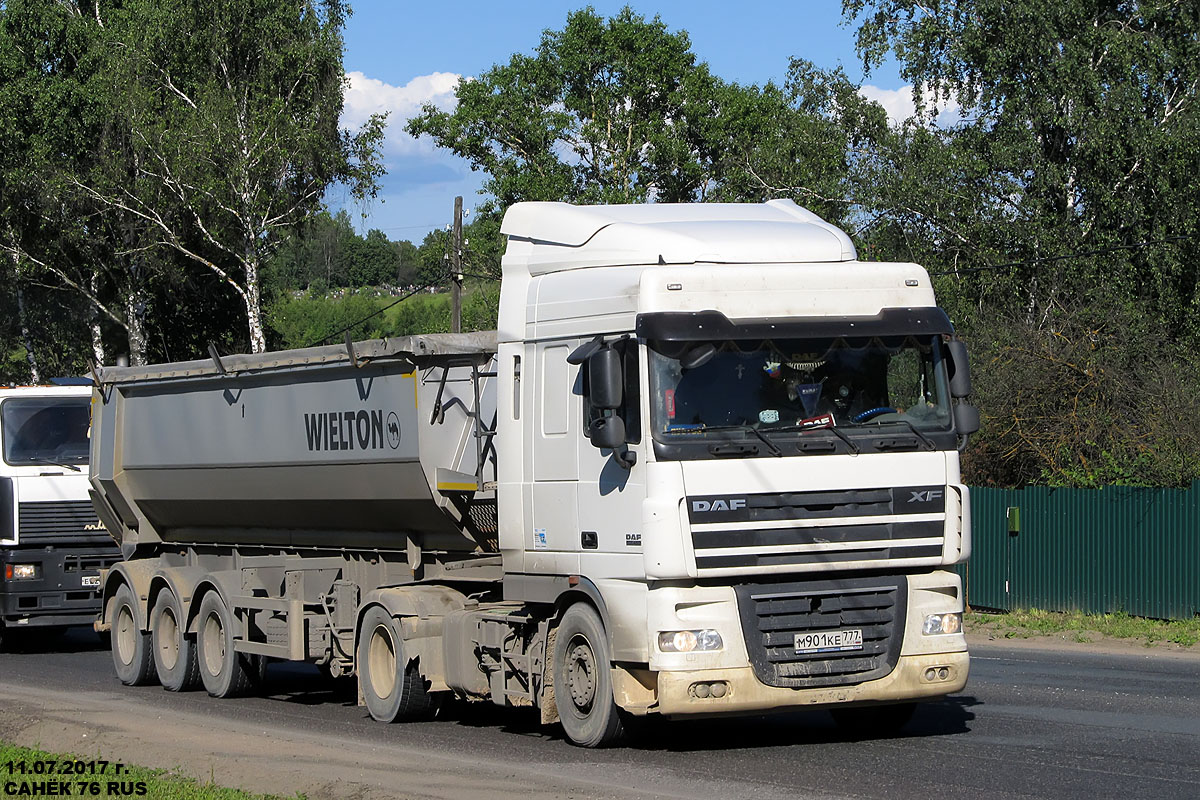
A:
(942, 623)
(19, 572)
(700, 690)
(688, 641)
(720, 689)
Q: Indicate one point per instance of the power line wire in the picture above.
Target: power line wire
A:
(395, 302)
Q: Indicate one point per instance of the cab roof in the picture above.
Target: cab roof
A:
(558, 236)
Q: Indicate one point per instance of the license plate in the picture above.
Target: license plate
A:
(91, 580)
(829, 641)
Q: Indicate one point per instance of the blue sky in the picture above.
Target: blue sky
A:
(400, 54)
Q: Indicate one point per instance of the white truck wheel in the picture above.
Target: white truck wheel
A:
(392, 689)
(583, 679)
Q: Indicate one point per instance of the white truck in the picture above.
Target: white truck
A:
(52, 546)
(708, 464)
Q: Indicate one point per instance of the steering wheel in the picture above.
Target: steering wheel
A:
(873, 412)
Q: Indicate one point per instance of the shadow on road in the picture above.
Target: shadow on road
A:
(36, 641)
(307, 685)
(943, 717)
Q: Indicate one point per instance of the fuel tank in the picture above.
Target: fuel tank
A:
(369, 445)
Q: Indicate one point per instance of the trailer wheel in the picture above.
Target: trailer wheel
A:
(133, 656)
(393, 689)
(583, 688)
(223, 670)
(174, 650)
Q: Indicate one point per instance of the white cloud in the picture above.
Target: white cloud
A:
(365, 96)
(899, 105)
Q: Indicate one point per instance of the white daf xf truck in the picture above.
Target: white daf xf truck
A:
(708, 464)
(52, 546)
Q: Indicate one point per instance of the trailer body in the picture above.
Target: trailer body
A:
(707, 464)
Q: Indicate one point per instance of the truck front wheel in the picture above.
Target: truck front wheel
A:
(174, 651)
(583, 679)
(392, 689)
(224, 671)
(133, 656)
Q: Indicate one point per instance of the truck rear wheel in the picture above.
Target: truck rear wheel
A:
(223, 670)
(583, 679)
(133, 656)
(392, 689)
(174, 650)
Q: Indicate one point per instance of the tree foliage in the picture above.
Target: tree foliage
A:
(620, 110)
(1060, 211)
(150, 145)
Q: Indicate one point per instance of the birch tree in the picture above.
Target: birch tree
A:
(230, 110)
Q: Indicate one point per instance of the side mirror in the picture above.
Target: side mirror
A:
(605, 380)
(960, 368)
(608, 433)
(966, 419)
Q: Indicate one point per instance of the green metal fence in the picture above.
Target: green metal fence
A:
(1092, 550)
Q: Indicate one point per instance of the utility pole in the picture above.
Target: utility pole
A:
(456, 277)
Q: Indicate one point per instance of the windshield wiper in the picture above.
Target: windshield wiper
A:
(745, 427)
(854, 448)
(771, 448)
(44, 462)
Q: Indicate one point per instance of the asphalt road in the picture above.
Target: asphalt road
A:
(1032, 723)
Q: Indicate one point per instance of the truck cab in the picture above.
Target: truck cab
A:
(52, 546)
(776, 520)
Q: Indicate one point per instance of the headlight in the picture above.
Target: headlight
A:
(19, 572)
(942, 623)
(689, 641)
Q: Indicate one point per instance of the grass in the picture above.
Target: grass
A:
(1080, 627)
(130, 782)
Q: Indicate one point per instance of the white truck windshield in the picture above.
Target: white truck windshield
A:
(798, 384)
(45, 430)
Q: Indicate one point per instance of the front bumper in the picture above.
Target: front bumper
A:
(676, 693)
(57, 595)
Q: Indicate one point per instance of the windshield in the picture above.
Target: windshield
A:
(45, 430)
(798, 383)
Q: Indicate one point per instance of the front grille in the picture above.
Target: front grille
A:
(801, 530)
(773, 614)
(73, 520)
(773, 506)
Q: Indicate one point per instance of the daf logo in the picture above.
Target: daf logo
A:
(926, 496)
(733, 504)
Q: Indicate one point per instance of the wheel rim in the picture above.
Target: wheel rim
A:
(168, 638)
(214, 644)
(581, 673)
(381, 661)
(126, 638)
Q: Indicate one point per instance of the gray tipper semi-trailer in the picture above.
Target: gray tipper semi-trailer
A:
(708, 464)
